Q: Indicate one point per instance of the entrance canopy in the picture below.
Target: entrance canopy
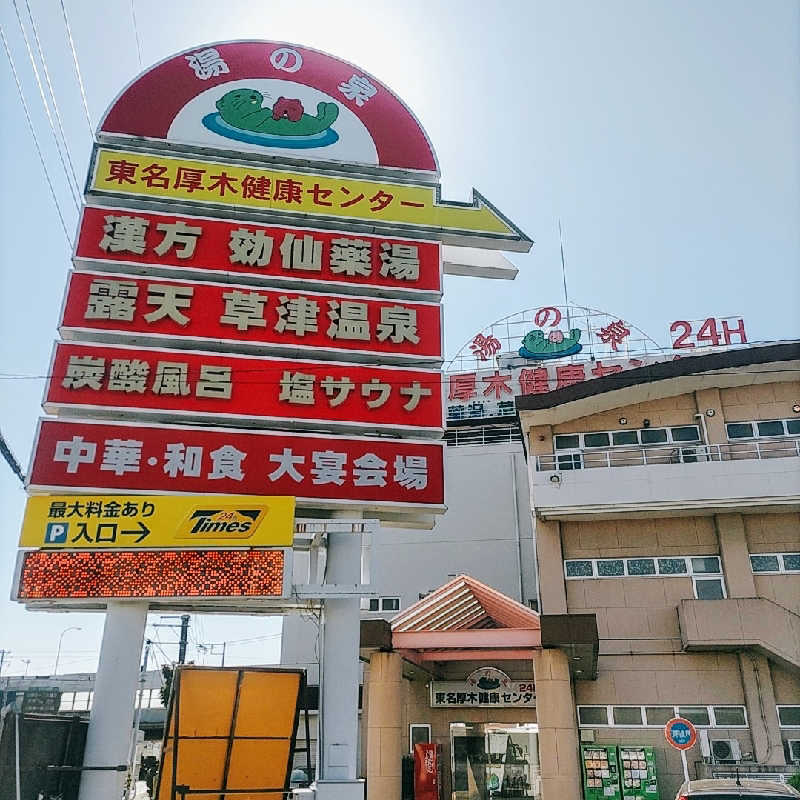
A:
(466, 620)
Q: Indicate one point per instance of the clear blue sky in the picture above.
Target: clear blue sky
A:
(664, 135)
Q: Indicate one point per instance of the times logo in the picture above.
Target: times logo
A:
(227, 523)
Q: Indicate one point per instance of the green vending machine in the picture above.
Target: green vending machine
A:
(637, 767)
(600, 772)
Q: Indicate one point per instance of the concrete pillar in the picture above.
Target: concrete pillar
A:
(109, 735)
(338, 724)
(714, 425)
(552, 589)
(735, 555)
(384, 727)
(558, 726)
(762, 715)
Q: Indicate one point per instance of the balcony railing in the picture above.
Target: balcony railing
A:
(485, 434)
(669, 454)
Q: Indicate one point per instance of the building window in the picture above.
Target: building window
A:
(641, 566)
(382, 604)
(729, 716)
(775, 562)
(789, 716)
(672, 566)
(67, 701)
(708, 589)
(697, 715)
(627, 716)
(592, 715)
(658, 716)
(569, 461)
(613, 568)
(596, 440)
(579, 568)
(698, 568)
(763, 429)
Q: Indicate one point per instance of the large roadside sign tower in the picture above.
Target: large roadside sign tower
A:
(253, 317)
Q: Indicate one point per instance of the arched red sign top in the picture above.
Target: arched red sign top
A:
(271, 98)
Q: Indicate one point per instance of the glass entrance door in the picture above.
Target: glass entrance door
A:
(491, 761)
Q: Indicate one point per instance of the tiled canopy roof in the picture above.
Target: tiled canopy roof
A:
(464, 619)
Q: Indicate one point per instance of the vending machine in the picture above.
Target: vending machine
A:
(427, 771)
(637, 766)
(601, 779)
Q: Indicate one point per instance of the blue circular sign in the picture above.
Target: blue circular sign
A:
(680, 733)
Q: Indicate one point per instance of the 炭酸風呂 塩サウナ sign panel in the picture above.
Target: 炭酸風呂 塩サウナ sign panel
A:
(115, 307)
(320, 470)
(165, 521)
(179, 384)
(136, 240)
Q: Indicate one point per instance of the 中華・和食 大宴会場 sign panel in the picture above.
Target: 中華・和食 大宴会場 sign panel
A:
(317, 469)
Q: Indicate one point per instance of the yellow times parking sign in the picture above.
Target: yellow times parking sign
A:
(140, 521)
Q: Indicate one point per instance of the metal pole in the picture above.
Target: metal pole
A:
(685, 766)
(138, 717)
(223, 654)
(184, 638)
(16, 757)
(60, 640)
(108, 737)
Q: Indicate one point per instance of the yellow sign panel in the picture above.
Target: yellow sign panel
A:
(218, 736)
(298, 193)
(111, 521)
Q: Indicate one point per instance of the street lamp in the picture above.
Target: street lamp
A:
(58, 652)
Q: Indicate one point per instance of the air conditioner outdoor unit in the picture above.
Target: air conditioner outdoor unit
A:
(793, 751)
(725, 751)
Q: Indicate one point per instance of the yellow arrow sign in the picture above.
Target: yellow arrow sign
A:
(362, 203)
(70, 522)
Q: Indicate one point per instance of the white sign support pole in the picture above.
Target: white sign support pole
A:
(339, 674)
(685, 766)
(111, 720)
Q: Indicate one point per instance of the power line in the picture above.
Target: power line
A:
(77, 68)
(34, 137)
(69, 178)
(136, 33)
(52, 94)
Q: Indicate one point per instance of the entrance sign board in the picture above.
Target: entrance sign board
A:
(124, 521)
(79, 575)
(272, 98)
(181, 384)
(234, 317)
(317, 469)
(461, 694)
(141, 241)
(378, 203)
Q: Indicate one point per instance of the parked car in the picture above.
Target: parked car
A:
(735, 789)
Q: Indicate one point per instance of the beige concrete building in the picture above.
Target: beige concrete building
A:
(665, 502)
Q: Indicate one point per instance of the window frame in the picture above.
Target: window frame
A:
(781, 565)
(754, 432)
(780, 706)
(712, 719)
(582, 447)
(690, 572)
(411, 726)
(380, 600)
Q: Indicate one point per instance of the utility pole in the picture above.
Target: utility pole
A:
(184, 638)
